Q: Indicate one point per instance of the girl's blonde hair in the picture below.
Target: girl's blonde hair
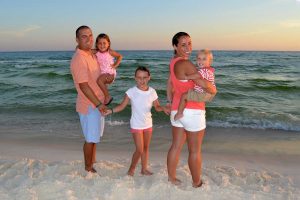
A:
(207, 53)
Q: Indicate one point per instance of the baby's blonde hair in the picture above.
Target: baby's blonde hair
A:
(208, 53)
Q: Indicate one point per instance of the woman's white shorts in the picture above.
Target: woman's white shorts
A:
(193, 120)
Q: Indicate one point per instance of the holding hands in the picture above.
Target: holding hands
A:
(107, 112)
(166, 109)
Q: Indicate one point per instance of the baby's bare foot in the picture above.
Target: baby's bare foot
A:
(178, 116)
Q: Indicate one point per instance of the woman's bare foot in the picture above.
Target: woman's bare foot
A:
(174, 181)
(130, 172)
(178, 116)
(146, 172)
(90, 169)
(197, 185)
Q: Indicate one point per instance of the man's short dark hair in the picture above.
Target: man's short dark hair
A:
(80, 28)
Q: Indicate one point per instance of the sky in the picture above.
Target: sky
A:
(49, 25)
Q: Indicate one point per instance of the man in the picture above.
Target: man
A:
(85, 71)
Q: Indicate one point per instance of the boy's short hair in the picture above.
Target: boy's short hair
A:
(142, 68)
(208, 53)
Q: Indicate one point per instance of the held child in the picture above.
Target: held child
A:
(205, 71)
(141, 97)
(105, 56)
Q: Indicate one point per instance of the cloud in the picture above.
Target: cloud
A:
(290, 23)
(20, 33)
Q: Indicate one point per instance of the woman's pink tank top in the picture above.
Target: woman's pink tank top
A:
(180, 87)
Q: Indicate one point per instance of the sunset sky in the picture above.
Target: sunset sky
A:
(28, 25)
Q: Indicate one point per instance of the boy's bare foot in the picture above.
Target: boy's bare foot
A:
(178, 116)
(174, 181)
(146, 172)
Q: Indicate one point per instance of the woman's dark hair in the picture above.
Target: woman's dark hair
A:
(176, 37)
(80, 28)
(102, 35)
(141, 68)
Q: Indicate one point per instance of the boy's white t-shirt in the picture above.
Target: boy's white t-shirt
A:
(141, 104)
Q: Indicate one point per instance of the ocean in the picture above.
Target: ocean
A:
(250, 151)
(256, 89)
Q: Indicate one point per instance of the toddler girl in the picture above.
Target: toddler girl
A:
(106, 56)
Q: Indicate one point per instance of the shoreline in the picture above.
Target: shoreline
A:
(278, 150)
(216, 140)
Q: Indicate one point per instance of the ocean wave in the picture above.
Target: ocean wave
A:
(49, 75)
(239, 66)
(286, 88)
(115, 122)
(31, 107)
(53, 65)
(11, 87)
(128, 61)
(238, 122)
(231, 95)
(60, 58)
(251, 118)
(268, 80)
(124, 78)
(30, 61)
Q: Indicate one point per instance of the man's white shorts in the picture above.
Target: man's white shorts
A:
(92, 125)
(193, 120)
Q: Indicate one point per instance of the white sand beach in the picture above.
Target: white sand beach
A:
(237, 164)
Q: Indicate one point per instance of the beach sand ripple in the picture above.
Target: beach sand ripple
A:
(37, 179)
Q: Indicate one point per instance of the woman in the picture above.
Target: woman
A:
(192, 126)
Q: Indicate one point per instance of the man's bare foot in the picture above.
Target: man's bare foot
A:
(198, 184)
(178, 116)
(90, 169)
(174, 181)
(146, 172)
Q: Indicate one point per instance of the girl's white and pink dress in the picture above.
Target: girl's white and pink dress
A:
(105, 61)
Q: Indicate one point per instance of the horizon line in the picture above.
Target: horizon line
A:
(150, 50)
